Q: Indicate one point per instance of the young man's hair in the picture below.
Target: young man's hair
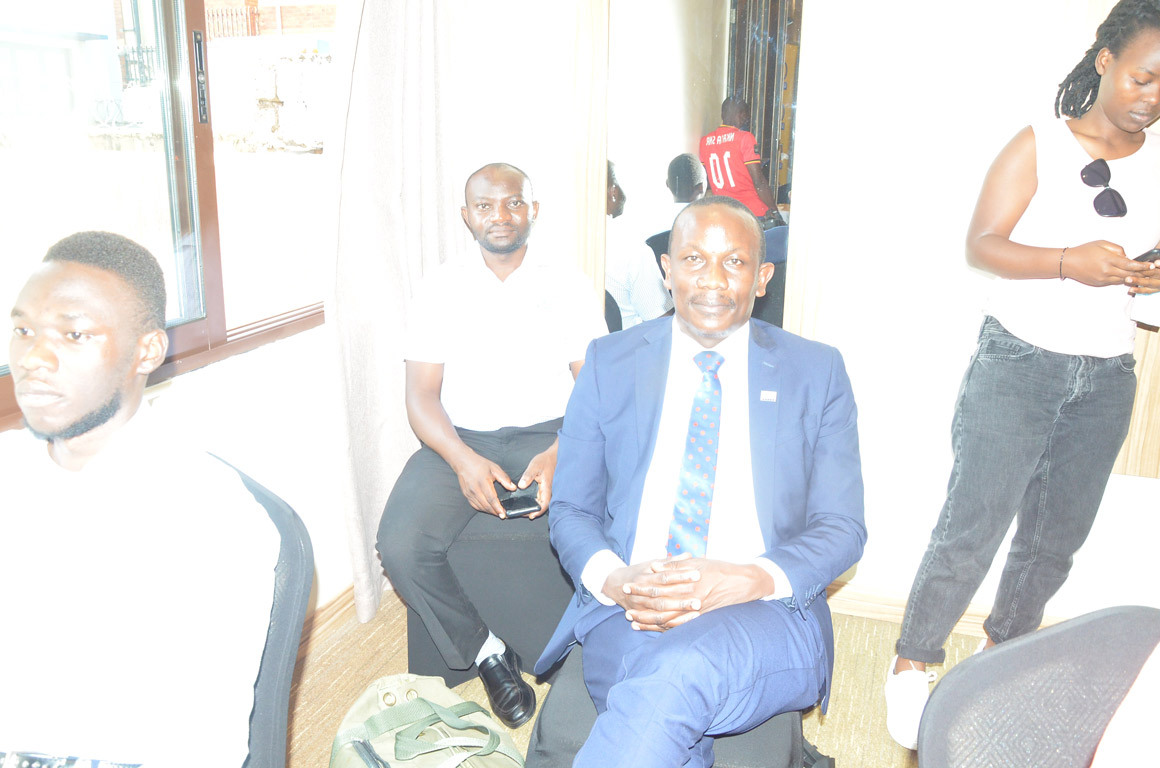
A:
(1077, 92)
(685, 173)
(125, 258)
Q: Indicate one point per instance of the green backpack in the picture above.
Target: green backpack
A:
(410, 721)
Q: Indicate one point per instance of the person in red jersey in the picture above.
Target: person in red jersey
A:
(732, 164)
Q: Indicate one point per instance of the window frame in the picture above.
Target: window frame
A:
(200, 342)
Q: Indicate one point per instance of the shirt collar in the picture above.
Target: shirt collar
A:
(529, 263)
(734, 347)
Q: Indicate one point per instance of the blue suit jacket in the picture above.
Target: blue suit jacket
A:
(806, 469)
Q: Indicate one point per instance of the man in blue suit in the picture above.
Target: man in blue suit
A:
(696, 624)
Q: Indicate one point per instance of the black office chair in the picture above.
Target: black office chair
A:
(777, 245)
(659, 244)
(771, 306)
(293, 578)
(612, 316)
(1043, 699)
(568, 714)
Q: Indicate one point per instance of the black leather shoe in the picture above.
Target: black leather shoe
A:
(512, 700)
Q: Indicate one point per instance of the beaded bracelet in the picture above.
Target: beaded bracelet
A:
(1061, 262)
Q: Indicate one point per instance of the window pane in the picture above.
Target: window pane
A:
(91, 138)
(270, 78)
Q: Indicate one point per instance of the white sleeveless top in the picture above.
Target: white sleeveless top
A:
(1066, 316)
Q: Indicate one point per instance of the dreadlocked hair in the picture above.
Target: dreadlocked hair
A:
(1077, 92)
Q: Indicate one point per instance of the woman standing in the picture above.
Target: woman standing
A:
(1045, 403)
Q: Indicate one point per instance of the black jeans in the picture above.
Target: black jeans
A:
(1035, 435)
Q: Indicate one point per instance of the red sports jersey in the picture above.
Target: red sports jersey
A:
(725, 152)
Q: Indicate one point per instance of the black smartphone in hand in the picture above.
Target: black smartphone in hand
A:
(519, 503)
(1152, 255)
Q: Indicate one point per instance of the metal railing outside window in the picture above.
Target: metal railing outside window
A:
(231, 22)
(139, 65)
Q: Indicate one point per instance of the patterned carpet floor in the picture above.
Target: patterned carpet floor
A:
(341, 657)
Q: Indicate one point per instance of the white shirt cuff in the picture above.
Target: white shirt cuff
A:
(782, 589)
(596, 572)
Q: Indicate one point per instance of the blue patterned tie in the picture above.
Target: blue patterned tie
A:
(689, 530)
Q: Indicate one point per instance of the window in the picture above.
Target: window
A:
(192, 127)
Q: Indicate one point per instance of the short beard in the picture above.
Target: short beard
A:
(84, 424)
(503, 250)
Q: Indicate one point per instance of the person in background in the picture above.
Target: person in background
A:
(733, 164)
(630, 275)
(138, 572)
(686, 182)
(493, 344)
(1045, 402)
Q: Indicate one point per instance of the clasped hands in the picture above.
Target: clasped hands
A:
(478, 476)
(658, 595)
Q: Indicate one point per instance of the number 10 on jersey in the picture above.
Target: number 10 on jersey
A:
(715, 163)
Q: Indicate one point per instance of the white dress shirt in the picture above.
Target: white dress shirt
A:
(505, 345)
(632, 277)
(734, 530)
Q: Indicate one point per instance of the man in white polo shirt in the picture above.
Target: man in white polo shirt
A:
(493, 346)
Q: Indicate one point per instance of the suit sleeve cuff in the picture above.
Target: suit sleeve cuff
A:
(596, 572)
(782, 589)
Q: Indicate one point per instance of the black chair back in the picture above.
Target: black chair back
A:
(293, 579)
(1043, 699)
(659, 244)
(612, 317)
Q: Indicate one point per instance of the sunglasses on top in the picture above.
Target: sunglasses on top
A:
(1108, 203)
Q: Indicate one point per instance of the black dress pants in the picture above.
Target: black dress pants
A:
(426, 512)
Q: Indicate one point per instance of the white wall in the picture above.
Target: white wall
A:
(902, 107)
(272, 413)
(667, 64)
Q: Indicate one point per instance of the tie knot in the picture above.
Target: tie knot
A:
(708, 361)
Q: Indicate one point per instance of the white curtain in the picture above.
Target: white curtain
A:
(436, 89)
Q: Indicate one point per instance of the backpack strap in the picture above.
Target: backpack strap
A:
(416, 716)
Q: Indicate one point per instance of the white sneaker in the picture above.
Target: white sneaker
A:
(906, 695)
